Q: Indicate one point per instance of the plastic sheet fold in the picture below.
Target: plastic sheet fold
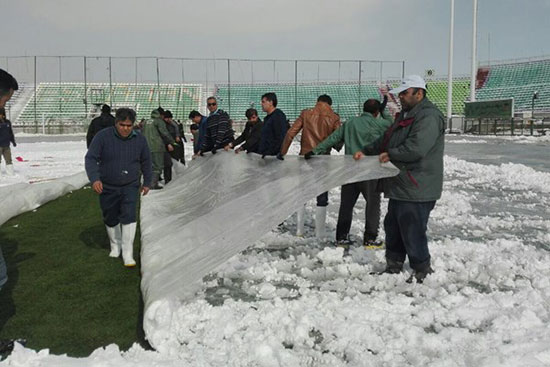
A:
(22, 197)
(219, 206)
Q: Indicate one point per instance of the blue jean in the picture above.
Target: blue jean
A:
(405, 224)
(3, 270)
(119, 204)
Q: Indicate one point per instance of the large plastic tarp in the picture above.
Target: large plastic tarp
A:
(22, 197)
(219, 206)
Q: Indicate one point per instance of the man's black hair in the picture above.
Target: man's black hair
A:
(193, 114)
(106, 109)
(325, 98)
(194, 127)
(371, 106)
(415, 90)
(272, 97)
(251, 112)
(123, 114)
(7, 82)
(168, 114)
(2, 111)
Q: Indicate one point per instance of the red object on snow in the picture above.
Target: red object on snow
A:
(20, 159)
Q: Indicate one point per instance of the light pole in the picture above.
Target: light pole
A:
(535, 96)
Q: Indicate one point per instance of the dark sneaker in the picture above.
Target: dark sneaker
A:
(373, 244)
(420, 275)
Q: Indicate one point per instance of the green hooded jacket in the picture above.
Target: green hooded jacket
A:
(157, 134)
(356, 133)
(415, 144)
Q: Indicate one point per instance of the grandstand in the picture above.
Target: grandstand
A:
(519, 80)
(77, 101)
(347, 97)
(437, 93)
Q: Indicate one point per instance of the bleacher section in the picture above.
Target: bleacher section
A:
(66, 100)
(347, 98)
(520, 81)
(437, 93)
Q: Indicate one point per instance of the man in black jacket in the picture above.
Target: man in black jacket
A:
(275, 126)
(99, 123)
(251, 135)
(218, 129)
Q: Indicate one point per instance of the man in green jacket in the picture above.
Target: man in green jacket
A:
(355, 134)
(414, 143)
(159, 140)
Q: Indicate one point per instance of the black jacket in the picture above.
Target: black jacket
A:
(273, 133)
(251, 136)
(98, 124)
(218, 131)
(6, 134)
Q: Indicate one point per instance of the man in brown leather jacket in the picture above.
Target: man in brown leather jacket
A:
(316, 124)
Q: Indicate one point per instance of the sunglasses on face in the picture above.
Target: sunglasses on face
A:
(212, 104)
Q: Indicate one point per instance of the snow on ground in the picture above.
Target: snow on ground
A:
(289, 301)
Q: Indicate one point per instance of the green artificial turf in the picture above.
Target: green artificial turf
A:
(64, 291)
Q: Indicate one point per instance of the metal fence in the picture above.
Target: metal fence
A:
(68, 90)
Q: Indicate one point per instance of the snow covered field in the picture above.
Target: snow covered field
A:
(288, 301)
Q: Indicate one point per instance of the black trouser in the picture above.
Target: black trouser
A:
(118, 204)
(348, 198)
(322, 200)
(167, 167)
(405, 225)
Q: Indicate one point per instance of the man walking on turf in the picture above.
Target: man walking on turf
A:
(316, 124)
(8, 85)
(114, 163)
(355, 134)
(414, 144)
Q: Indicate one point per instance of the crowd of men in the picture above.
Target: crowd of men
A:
(125, 158)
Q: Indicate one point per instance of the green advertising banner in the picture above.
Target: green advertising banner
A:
(497, 108)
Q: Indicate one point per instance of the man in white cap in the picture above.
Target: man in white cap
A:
(414, 144)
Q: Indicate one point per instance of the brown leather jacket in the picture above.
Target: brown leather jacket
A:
(316, 123)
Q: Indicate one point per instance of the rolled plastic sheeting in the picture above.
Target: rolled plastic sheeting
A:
(20, 198)
(221, 205)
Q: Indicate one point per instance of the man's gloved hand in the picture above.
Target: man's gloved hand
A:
(309, 154)
(383, 104)
(280, 157)
(263, 156)
(213, 150)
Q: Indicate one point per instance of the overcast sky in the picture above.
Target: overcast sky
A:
(416, 31)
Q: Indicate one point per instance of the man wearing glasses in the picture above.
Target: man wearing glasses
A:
(114, 163)
(218, 129)
(414, 144)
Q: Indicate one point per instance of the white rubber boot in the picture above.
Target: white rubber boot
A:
(115, 237)
(300, 219)
(9, 169)
(320, 219)
(128, 234)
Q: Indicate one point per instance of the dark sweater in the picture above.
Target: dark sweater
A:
(251, 137)
(116, 161)
(218, 131)
(273, 133)
(98, 124)
(6, 134)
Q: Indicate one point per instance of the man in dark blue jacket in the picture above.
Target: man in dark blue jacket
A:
(114, 163)
(8, 85)
(275, 126)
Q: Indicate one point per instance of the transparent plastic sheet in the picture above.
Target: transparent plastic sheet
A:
(22, 197)
(221, 205)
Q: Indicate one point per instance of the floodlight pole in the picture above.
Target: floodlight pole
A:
(474, 55)
(85, 90)
(158, 81)
(450, 76)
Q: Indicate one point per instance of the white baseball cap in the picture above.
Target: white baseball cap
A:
(412, 81)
